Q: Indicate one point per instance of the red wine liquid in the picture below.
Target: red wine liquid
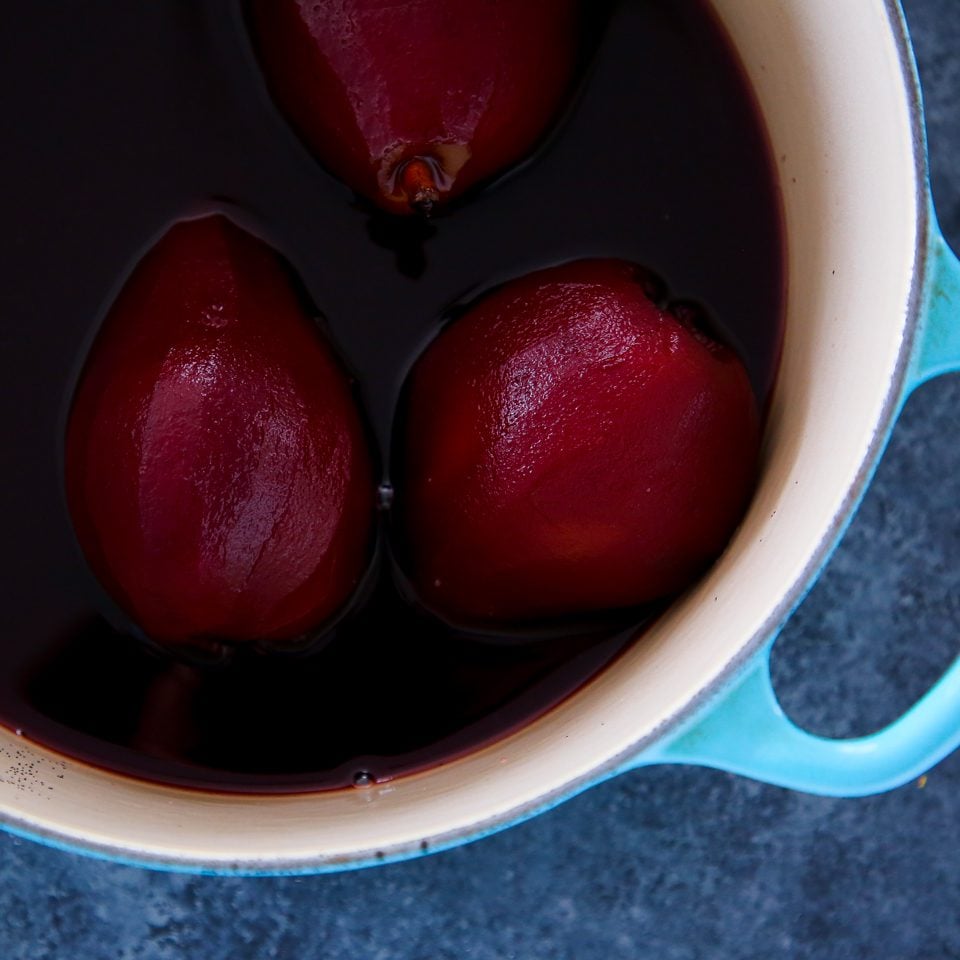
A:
(120, 118)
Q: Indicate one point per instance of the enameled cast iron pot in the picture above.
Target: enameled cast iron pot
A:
(873, 310)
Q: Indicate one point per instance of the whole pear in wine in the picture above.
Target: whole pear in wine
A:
(412, 103)
(217, 470)
(572, 444)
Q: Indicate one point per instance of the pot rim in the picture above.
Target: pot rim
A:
(745, 654)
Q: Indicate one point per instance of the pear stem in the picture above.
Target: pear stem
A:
(419, 185)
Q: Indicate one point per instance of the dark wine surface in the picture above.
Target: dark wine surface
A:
(121, 118)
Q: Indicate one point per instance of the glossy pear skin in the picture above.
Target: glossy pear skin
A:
(412, 103)
(216, 465)
(571, 446)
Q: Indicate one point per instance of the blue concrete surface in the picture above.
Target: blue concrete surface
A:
(673, 864)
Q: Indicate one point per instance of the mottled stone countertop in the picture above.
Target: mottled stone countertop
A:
(673, 864)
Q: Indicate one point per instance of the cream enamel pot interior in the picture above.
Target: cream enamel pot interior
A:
(836, 85)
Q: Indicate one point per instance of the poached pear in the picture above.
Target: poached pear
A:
(217, 470)
(411, 103)
(572, 445)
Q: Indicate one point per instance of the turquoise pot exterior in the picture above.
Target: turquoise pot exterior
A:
(742, 729)
(745, 731)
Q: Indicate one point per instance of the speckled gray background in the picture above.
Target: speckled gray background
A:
(672, 864)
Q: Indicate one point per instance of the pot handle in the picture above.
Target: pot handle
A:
(937, 348)
(746, 731)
